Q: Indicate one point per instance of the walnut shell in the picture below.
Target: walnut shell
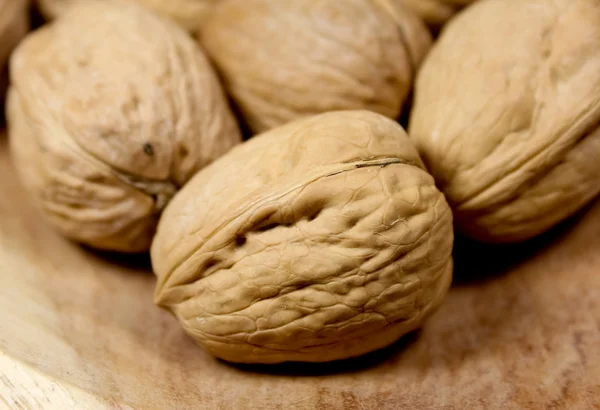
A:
(436, 12)
(14, 24)
(507, 112)
(283, 60)
(189, 14)
(319, 240)
(110, 110)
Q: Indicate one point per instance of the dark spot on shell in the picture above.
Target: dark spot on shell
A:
(148, 149)
(314, 215)
(240, 240)
(183, 151)
(210, 263)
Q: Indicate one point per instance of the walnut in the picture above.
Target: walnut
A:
(110, 110)
(187, 13)
(283, 60)
(507, 113)
(321, 239)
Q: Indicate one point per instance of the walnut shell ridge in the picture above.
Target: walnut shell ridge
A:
(506, 115)
(319, 240)
(283, 60)
(110, 110)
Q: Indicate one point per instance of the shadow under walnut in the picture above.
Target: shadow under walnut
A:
(476, 262)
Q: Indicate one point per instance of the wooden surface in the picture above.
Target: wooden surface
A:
(521, 330)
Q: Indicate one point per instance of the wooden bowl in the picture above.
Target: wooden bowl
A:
(78, 330)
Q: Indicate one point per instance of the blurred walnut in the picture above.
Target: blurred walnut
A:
(282, 60)
(436, 12)
(319, 240)
(507, 113)
(14, 24)
(188, 13)
(110, 111)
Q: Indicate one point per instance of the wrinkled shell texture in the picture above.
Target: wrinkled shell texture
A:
(319, 240)
(436, 12)
(283, 60)
(187, 13)
(14, 24)
(110, 110)
(507, 113)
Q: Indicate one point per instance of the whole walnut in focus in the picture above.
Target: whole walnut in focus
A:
(436, 12)
(319, 240)
(507, 112)
(187, 13)
(110, 110)
(14, 24)
(283, 60)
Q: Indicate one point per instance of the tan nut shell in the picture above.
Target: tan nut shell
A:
(507, 114)
(187, 13)
(110, 110)
(436, 12)
(14, 24)
(282, 60)
(319, 240)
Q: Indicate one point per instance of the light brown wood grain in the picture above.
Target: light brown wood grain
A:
(78, 330)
